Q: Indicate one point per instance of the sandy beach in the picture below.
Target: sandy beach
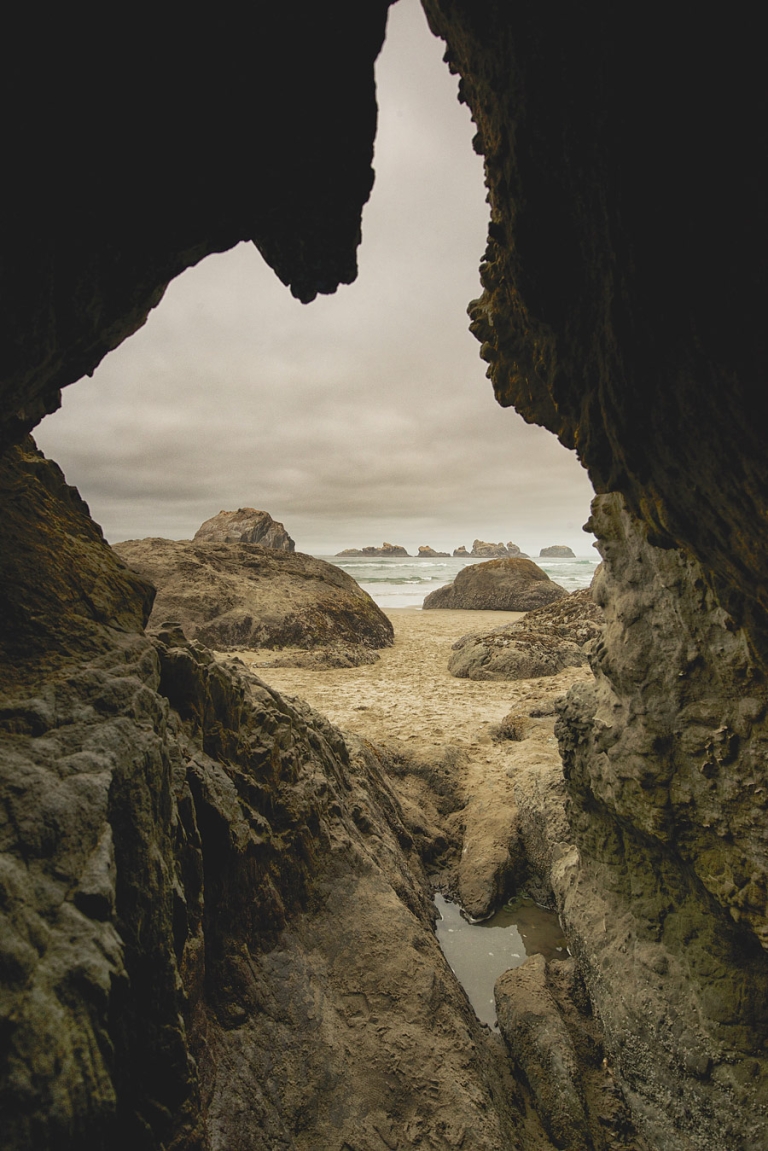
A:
(408, 694)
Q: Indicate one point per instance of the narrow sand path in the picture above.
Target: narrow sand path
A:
(408, 698)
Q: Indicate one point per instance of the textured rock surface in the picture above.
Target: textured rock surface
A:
(543, 643)
(540, 1043)
(665, 900)
(622, 308)
(499, 585)
(246, 526)
(554, 1037)
(426, 552)
(246, 596)
(557, 551)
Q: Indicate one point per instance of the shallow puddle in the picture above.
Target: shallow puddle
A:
(478, 953)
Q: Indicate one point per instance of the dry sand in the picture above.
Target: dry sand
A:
(408, 694)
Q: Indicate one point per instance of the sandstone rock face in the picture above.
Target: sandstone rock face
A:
(245, 596)
(557, 551)
(246, 526)
(546, 641)
(386, 550)
(499, 585)
(426, 552)
(664, 900)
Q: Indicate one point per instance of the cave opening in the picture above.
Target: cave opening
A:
(622, 290)
(360, 417)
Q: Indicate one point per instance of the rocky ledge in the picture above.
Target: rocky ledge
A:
(515, 584)
(242, 595)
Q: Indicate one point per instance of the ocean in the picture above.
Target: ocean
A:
(400, 582)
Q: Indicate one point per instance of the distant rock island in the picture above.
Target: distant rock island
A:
(246, 526)
(428, 553)
(486, 551)
(513, 583)
(557, 551)
(384, 550)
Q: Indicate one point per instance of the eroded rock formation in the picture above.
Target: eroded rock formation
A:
(246, 526)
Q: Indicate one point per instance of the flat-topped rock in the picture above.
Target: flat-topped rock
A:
(385, 550)
(511, 584)
(428, 553)
(557, 552)
(544, 643)
(246, 526)
(232, 596)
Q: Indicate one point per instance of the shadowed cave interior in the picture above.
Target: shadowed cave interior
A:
(189, 859)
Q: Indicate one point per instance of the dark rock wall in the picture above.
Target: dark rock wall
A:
(134, 151)
(625, 271)
(667, 777)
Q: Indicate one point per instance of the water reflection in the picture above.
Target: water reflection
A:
(479, 953)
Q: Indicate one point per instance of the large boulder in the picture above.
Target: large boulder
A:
(511, 584)
(246, 526)
(544, 643)
(232, 596)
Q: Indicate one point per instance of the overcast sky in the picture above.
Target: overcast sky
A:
(362, 417)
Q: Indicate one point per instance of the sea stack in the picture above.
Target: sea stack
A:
(557, 552)
(385, 551)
